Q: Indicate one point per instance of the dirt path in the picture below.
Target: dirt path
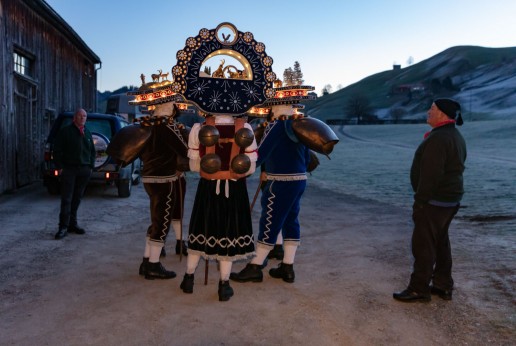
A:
(84, 290)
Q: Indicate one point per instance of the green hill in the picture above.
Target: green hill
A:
(482, 79)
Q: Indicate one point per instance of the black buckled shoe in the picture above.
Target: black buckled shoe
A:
(187, 283)
(143, 266)
(157, 271)
(443, 294)
(251, 272)
(60, 234)
(76, 229)
(284, 271)
(409, 296)
(225, 291)
(181, 247)
(277, 252)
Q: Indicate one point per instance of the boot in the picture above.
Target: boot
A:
(251, 272)
(76, 229)
(157, 271)
(163, 252)
(187, 283)
(181, 247)
(225, 291)
(277, 252)
(61, 233)
(143, 266)
(284, 271)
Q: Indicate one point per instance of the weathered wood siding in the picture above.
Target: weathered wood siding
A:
(63, 78)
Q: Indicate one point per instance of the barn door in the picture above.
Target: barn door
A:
(27, 143)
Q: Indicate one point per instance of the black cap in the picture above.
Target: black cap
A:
(451, 108)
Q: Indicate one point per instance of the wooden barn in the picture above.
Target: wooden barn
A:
(46, 68)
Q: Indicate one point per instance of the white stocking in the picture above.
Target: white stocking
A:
(290, 253)
(261, 254)
(225, 269)
(192, 261)
(155, 251)
(279, 241)
(146, 252)
(176, 225)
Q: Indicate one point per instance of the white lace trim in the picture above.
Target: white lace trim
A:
(160, 179)
(286, 177)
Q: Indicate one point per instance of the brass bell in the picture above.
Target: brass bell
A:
(210, 163)
(240, 164)
(244, 137)
(208, 135)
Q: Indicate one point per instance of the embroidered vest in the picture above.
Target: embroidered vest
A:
(226, 148)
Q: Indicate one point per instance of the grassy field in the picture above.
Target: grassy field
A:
(374, 162)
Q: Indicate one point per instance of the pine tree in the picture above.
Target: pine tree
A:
(298, 75)
(288, 77)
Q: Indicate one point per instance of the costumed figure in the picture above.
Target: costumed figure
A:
(223, 151)
(285, 154)
(160, 142)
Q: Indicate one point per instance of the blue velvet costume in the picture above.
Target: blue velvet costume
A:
(285, 160)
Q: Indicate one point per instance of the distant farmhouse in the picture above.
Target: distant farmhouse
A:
(46, 69)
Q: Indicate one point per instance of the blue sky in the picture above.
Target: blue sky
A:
(336, 42)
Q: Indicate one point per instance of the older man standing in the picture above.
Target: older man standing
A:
(74, 155)
(436, 177)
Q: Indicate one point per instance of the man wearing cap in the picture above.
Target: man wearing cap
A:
(436, 178)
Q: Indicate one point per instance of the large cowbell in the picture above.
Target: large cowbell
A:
(227, 89)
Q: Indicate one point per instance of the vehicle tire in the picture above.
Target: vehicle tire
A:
(53, 187)
(124, 188)
(135, 174)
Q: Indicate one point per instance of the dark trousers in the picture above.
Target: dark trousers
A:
(280, 210)
(73, 183)
(162, 201)
(431, 248)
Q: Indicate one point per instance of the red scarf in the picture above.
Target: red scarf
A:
(442, 123)
(81, 130)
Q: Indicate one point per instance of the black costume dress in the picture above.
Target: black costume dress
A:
(220, 224)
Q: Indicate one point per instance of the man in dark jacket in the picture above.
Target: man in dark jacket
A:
(436, 178)
(74, 155)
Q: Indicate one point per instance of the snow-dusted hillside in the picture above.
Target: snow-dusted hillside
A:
(482, 79)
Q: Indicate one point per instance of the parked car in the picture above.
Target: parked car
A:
(103, 127)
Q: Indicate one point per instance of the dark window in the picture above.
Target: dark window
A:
(22, 64)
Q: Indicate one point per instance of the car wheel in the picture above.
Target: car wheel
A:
(135, 174)
(137, 180)
(124, 188)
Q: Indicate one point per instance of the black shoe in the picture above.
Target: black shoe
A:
(60, 234)
(163, 252)
(187, 283)
(225, 291)
(410, 296)
(443, 294)
(143, 266)
(284, 271)
(76, 229)
(181, 247)
(251, 272)
(277, 252)
(157, 271)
